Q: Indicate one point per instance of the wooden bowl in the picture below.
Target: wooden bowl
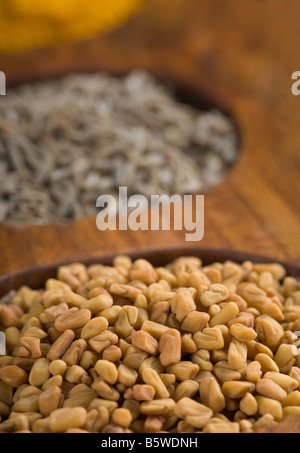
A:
(36, 276)
(240, 58)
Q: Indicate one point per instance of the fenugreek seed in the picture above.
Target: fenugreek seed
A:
(73, 355)
(290, 411)
(4, 409)
(157, 294)
(18, 424)
(58, 367)
(112, 428)
(237, 355)
(96, 419)
(183, 370)
(74, 374)
(269, 388)
(12, 336)
(29, 391)
(122, 417)
(151, 377)
(88, 359)
(107, 370)
(215, 293)
(29, 347)
(253, 372)
(187, 388)
(39, 372)
(277, 270)
(231, 404)
(183, 305)
(54, 381)
(286, 382)
(141, 302)
(292, 399)
(49, 401)
(61, 420)
(295, 374)
(35, 332)
(144, 341)
(145, 276)
(80, 396)
(103, 340)
(254, 348)
(158, 407)
(154, 424)
(237, 389)
(99, 402)
(244, 318)
(248, 404)
(27, 404)
(242, 333)
(184, 427)
(111, 314)
(269, 331)
(52, 312)
(143, 316)
(154, 329)
(41, 426)
(94, 327)
(10, 315)
(202, 358)
(143, 392)
(213, 310)
(6, 393)
(211, 394)
(267, 364)
(127, 375)
(194, 413)
(126, 320)
(60, 346)
(195, 321)
(285, 357)
(188, 345)
(72, 319)
(98, 303)
(269, 406)
(257, 298)
(170, 347)
(127, 291)
(172, 322)
(225, 372)
(228, 312)
(210, 338)
(13, 375)
(112, 353)
(151, 362)
(133, 357)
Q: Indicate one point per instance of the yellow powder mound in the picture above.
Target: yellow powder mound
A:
(27, 24)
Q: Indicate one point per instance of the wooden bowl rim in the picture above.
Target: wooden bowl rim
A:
(35, 276)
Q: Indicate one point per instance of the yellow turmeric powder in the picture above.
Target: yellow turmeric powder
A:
(27, 24)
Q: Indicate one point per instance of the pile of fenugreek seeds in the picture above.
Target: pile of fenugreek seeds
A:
(131, 348)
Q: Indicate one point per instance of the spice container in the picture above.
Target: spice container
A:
(184, 348)
(89, 134)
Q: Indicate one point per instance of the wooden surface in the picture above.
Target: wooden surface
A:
(238, 55)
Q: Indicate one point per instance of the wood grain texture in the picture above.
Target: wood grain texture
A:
(221, 53)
